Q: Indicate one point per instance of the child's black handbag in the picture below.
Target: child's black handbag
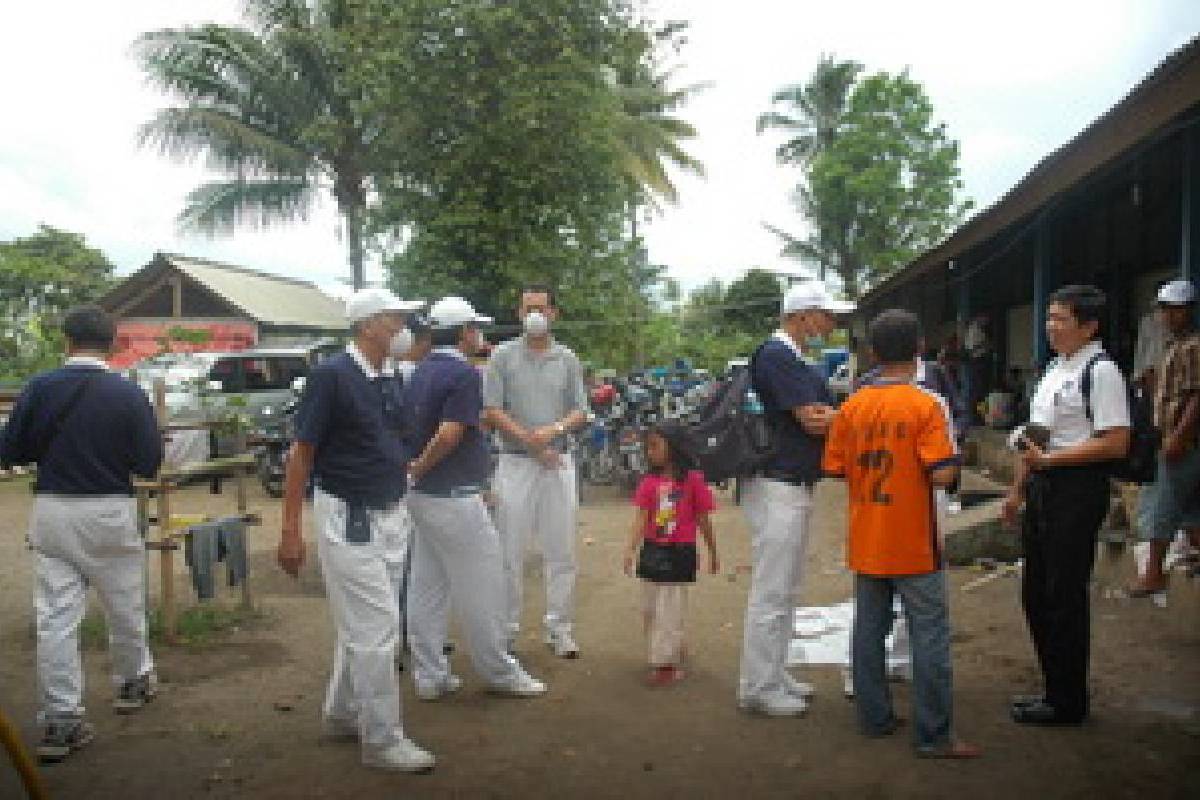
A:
(667, 562)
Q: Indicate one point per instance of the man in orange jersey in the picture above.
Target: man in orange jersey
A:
(891, 441)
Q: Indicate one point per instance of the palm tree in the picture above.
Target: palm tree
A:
(265, 105)
(648, 133)
(814, 112)
(814, 116)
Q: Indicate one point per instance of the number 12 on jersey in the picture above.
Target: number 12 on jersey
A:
(877, 466)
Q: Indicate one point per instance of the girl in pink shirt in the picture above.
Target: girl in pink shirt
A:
(673, 503)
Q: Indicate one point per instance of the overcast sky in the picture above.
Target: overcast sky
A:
(1012, 81)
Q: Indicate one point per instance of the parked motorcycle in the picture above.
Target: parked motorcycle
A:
(272, 440)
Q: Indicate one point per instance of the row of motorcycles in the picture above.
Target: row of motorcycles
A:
(612, 449)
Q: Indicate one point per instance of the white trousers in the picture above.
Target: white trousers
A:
(778, 515)
(535, 502)
(80, 542)
(456, 559)
(363, 691)
(664, 606)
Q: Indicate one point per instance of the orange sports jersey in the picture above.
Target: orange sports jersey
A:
(885, 440)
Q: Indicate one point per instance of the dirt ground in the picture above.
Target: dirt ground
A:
(238, 717)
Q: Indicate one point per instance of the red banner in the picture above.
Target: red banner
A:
(137, 340)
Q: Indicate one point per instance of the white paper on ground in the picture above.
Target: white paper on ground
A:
(822, 636)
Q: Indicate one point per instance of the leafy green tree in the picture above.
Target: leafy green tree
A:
(885, 189)
(41, 276)
(269, 106)
(496, 124)
(753, 303)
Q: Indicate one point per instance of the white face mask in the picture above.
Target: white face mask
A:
(401, 343)
(536, 323)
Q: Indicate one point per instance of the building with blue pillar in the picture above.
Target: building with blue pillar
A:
(1117, 206)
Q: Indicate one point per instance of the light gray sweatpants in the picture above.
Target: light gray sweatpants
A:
(82, 541)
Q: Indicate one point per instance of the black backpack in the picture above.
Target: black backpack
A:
(728, 440)
(1140, 464)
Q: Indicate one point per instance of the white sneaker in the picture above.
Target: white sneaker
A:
(429, 692)
(563, 644)
(778, 704)
(802, 689)
(403, 756)
(524, 685)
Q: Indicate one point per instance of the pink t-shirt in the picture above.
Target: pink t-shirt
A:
(674, 506)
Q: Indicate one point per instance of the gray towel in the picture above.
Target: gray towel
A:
(202, 552)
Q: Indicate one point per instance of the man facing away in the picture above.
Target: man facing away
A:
(88, 430)
(349, 436)
(535, 397)
(892, 443)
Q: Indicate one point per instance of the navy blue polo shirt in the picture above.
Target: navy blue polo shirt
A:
(109, 435)
(783, 381)
(446, 388)
(355, 423)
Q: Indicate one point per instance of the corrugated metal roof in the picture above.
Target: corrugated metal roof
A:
(1168, 90)
(270, 299)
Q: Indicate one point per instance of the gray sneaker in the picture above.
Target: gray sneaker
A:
(135, 694)
(563, 644)
(60, 738)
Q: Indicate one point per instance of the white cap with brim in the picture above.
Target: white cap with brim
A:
(1177, 293)
(812, 296)
(366, 303)
(450, 312)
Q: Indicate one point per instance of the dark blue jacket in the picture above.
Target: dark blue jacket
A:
(110, 435)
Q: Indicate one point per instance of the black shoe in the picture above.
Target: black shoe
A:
(1042, 713)
(63, 737)
(134, 695)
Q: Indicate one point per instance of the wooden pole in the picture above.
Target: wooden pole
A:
(166, 556)
(240, 477)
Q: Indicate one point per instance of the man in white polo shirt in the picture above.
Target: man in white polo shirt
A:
(1062, 479)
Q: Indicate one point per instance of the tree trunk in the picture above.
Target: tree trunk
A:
(352, 201)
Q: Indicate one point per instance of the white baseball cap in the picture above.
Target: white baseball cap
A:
(1177, 293)
(811, 295)
(367, 303)
(450, 312)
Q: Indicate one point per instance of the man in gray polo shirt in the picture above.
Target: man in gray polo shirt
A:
(534, 396)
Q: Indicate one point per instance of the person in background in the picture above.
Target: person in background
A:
(673, 503)
(892, 443)
(456, 554)
(349, 428)
(1172, 502)
(1062, 479)
(535, 398)
(779, 502)
(88, 430)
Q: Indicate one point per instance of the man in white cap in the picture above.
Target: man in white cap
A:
(778, 502)
(348, 436)
(534, 393)
(456, 551)
(1172, 502)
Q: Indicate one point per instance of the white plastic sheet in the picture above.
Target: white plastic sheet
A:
(822, 636)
